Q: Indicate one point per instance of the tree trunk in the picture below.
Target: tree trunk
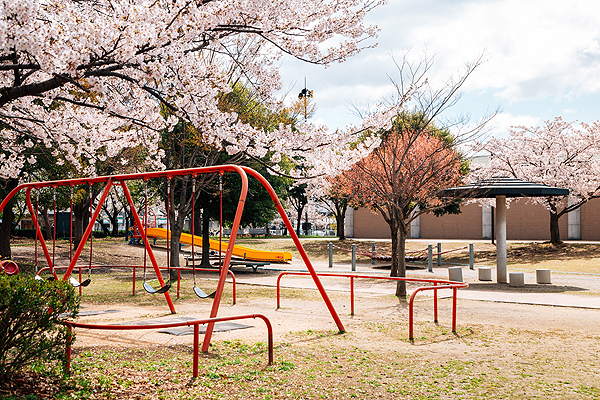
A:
(46, 221)
(340, 218)
(8, 217)
(299, 223)
(176, 230)
(114, 220)
(81, 212)
(554, 229)
(105, 228)
(398, 258)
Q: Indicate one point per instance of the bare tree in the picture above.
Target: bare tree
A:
(418, 157)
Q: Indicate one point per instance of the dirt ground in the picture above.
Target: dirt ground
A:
(501, 349)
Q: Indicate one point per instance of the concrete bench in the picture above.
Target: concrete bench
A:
(485, 273)
(543, 276)
(516, 279)
(455, 274)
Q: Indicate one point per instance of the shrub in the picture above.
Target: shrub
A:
(30, 315)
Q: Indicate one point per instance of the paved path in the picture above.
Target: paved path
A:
(566, 289)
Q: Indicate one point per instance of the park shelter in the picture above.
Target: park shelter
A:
(500, 188)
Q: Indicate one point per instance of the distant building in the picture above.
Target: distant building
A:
(525, 221)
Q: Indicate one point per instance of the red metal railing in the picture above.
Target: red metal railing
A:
(80, 267)
(195, 323)
(435, 282)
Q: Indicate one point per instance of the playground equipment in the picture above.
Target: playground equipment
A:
(242, 252)
(415, 255)
(212, 270)
(195, 323)
(8, 267)
(190, 173)
(438, 284)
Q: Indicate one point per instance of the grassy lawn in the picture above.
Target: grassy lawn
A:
(499, 351)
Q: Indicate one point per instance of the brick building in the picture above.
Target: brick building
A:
(524, 221)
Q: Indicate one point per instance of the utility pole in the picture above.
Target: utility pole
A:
(305, 94)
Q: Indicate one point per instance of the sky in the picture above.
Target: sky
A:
(542, 60)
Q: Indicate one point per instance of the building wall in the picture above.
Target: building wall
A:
(369, 225)
(466, 225)
(527, 221)
(590, 220)
(524, 221)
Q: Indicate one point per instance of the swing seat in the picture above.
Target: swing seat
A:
(39, 278)
(200, 293)
(76, 283)
(151, 290)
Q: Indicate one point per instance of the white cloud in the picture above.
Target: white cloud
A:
(536, 48)
(543, 55)
(501, 123)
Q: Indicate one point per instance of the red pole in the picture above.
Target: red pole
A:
(138, 223)
(278, 288)
(435, 304)
(228, 254)
(196, 345)
(37, 230)
(88, 230)
(303, 254)
(68, 352)
(410, 316)
(178, 281)
(351, 295)
(454, 296)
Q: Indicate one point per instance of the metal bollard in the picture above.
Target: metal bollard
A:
(330, 255)
(471, 257)
(353, 257)
(439, 257)
(430, 258)
(372, 253)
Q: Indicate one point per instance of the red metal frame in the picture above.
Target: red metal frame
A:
(195, 323)
(443, 285)
(122, 179)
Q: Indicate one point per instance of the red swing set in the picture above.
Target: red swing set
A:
(122, 180)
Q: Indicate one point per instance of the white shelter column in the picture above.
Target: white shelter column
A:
(501, 239)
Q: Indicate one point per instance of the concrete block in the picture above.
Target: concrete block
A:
(516, 279)
(542, 276)
(485, 273)
(455, 274)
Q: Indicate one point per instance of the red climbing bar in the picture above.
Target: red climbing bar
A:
(195, 323)
(443, 284)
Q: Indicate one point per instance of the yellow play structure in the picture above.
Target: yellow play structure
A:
(238, 251)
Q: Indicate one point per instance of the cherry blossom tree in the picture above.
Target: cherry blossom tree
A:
(558, 153)
(87, 79)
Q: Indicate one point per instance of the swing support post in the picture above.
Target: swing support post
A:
(38, 230)
(303, 254)
(229, 253)
(142, 230)
(88, 230)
